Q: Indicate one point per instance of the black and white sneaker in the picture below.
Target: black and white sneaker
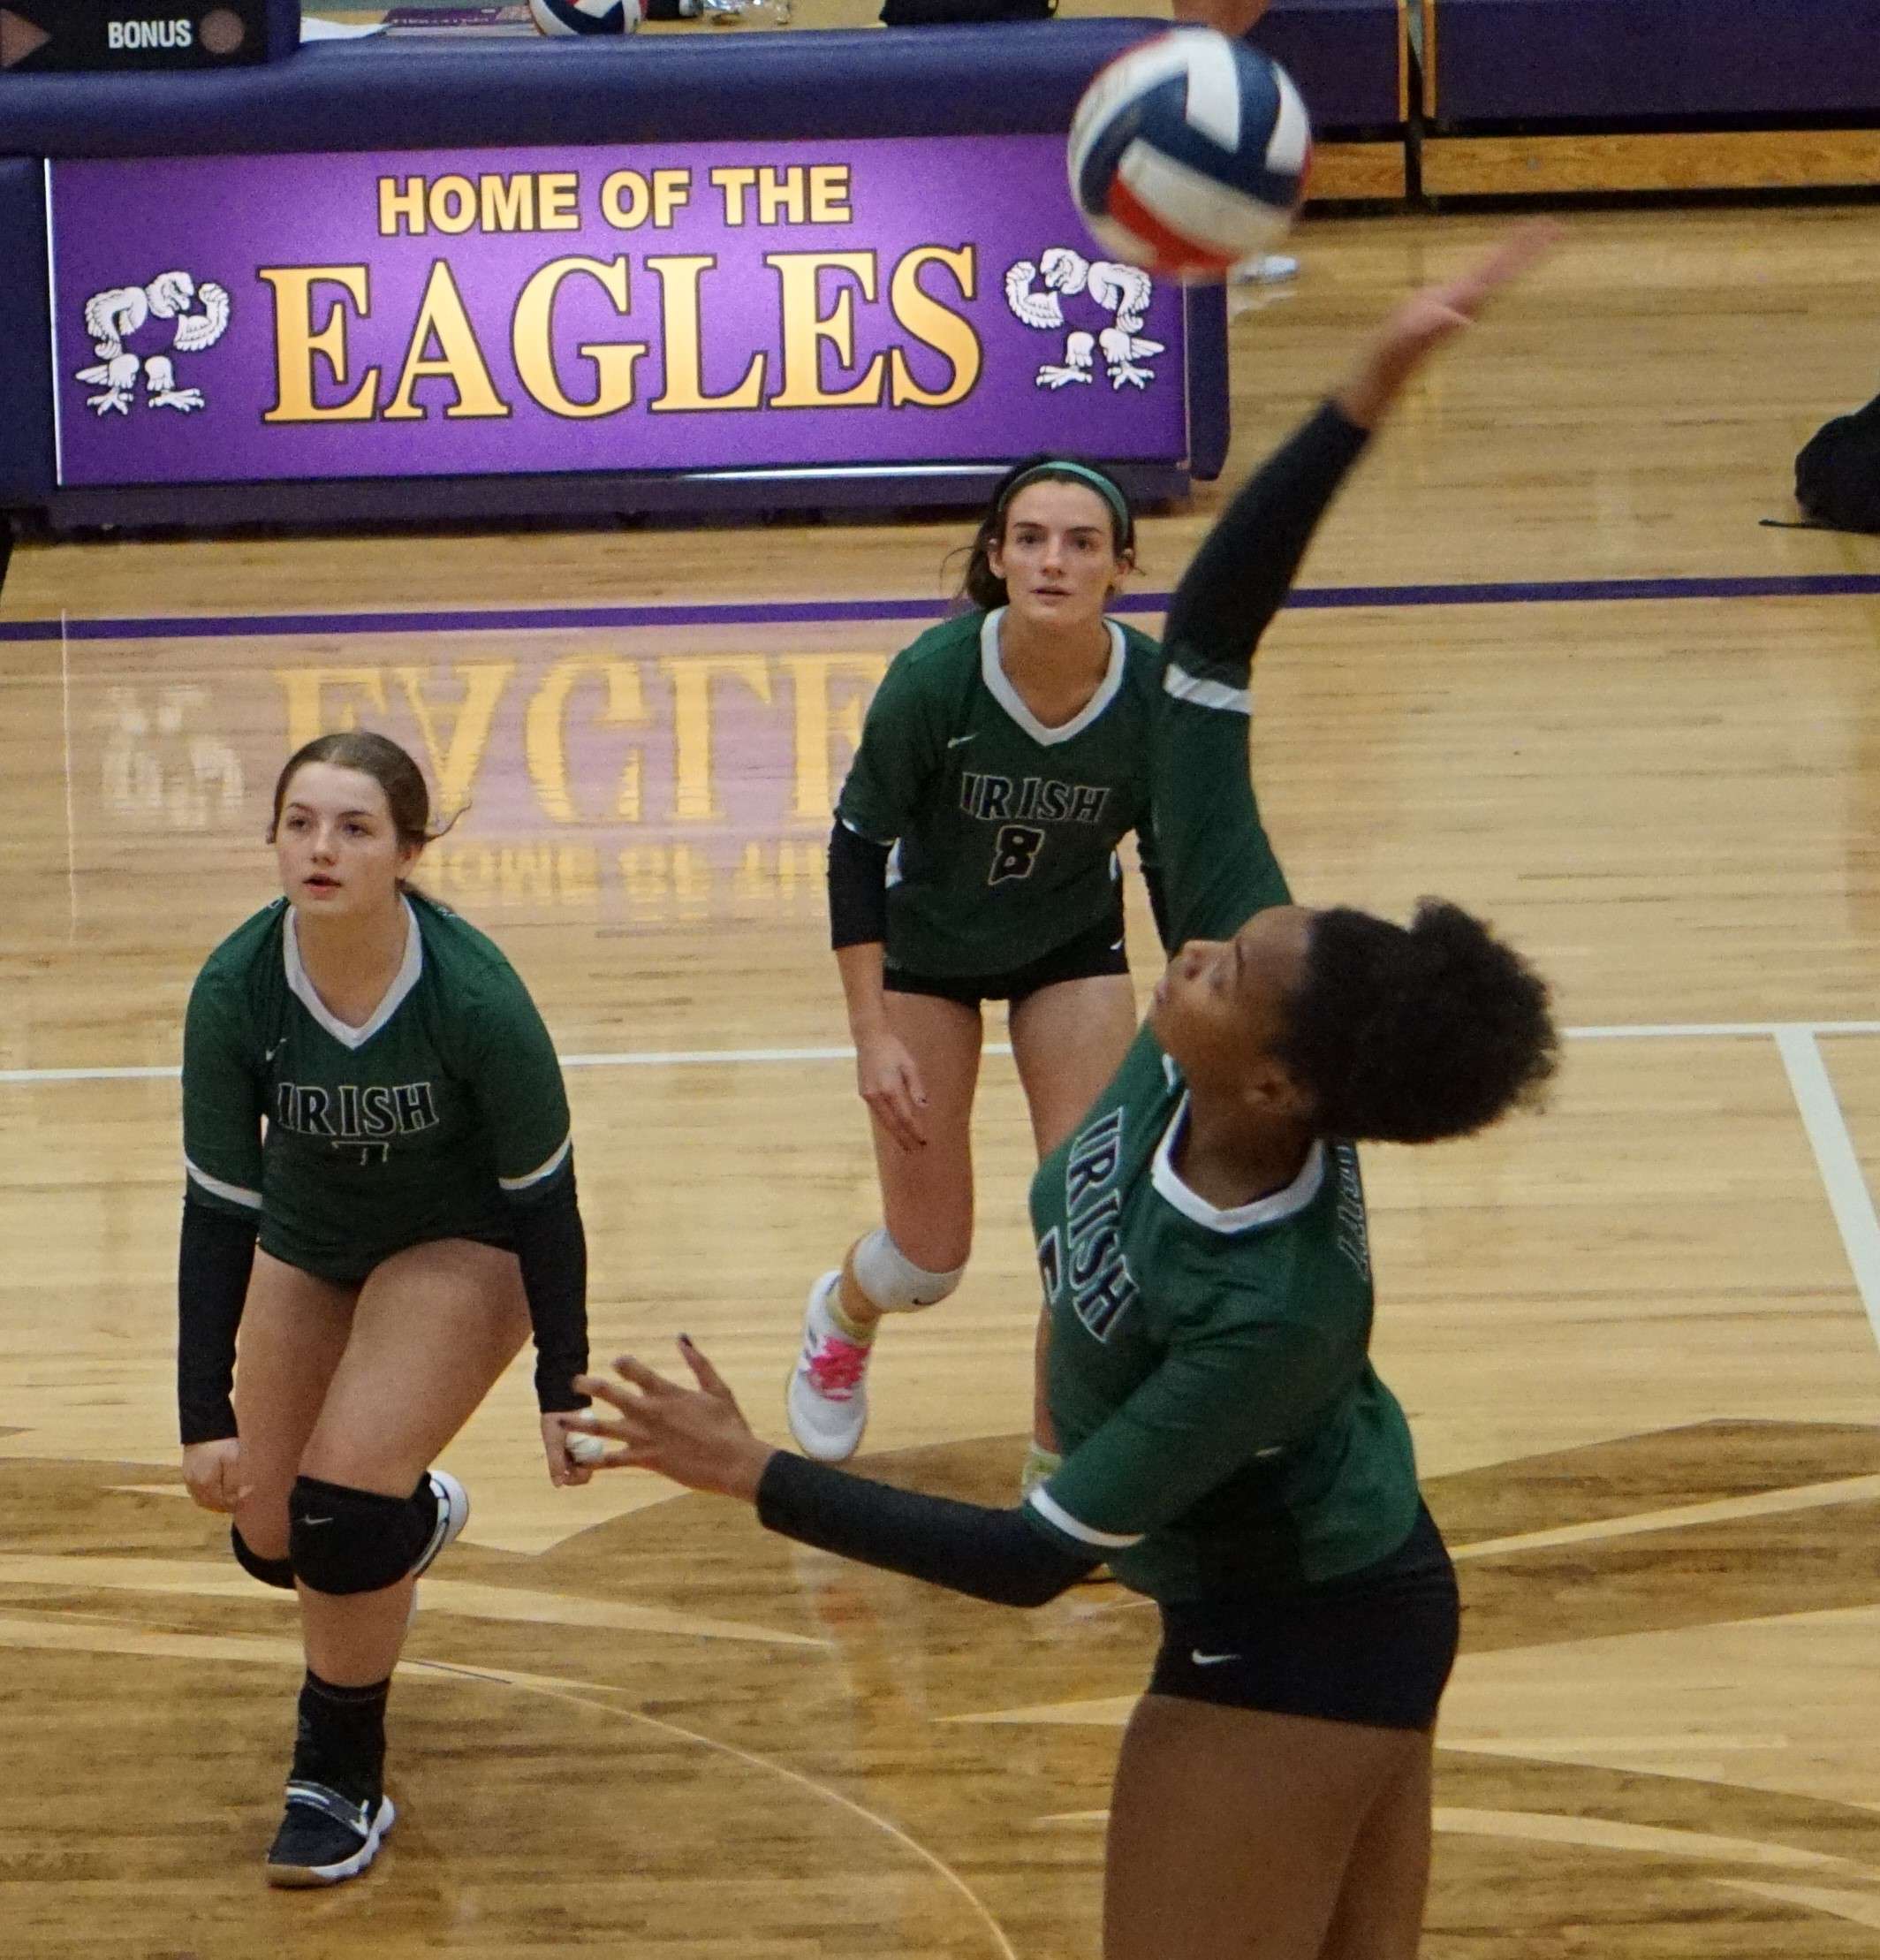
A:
(325, 1837)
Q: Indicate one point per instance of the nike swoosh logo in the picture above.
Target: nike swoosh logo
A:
(959, 741)
(1117, 946)
(1200, 1658)
(273, 1052)
(329, 1521)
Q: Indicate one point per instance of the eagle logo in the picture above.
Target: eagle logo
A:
(1123, 292)
(135, 329)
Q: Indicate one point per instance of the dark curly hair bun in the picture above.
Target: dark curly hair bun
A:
(1408, 1035)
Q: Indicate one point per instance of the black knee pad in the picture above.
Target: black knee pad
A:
(342, 1541)
(275, 1572)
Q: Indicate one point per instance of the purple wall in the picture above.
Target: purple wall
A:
(1343, 54)
(1609, 60)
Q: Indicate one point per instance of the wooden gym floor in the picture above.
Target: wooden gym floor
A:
(1636, 1336)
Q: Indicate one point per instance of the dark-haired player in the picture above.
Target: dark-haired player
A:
(1228, 1448)
(1005, 756)
(414, 1204)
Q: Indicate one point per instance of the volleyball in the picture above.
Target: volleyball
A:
(585, 17)
(1189, 153)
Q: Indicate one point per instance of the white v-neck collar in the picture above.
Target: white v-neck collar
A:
(407, 978)
(998, 684)
(1272, 1209)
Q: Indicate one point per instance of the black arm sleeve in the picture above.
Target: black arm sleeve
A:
(1239, 577)
(553, 1250)
(214, 1259)
(969, 1548)
(858, 889)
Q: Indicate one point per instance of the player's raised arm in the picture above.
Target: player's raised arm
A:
(1218, 865)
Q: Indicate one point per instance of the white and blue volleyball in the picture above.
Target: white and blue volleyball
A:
(584, 16)
(1189, 153)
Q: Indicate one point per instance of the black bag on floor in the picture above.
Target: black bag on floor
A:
(1838, 472)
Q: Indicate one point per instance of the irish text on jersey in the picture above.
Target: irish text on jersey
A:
(1101, 1285)
(1037, 799)
(352, 1114)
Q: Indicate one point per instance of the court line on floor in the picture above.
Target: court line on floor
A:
(831, 611)
(1835, 1157)
(698, 1058)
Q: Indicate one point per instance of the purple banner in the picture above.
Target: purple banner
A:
(678, 307)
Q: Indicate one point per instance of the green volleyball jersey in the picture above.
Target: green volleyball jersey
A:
(1004, 830)
(1222, 1428)
(429, 1121)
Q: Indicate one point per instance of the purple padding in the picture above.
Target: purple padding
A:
(1603, 60)
(1343, 54)
(416, 93)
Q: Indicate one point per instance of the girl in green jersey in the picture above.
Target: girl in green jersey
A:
(973, 859)
(1202, 1239)
(382, 1253)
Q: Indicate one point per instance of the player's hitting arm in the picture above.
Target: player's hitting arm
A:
(1217, 866)
(1237, 582)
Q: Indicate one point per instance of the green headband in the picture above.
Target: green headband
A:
(1084, 474)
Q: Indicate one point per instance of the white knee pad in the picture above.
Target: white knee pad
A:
(893, 1280)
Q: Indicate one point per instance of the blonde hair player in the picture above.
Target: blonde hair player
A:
(1228, 1446)
(381, 1254)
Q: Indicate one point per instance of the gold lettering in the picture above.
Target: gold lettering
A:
(544, 734)
(458, 360)
(949, 334)
(297, 341)
(454, 767)
(805, 328)
(452, 204)
(558, 198)
(532, 341)
(508, 203)
(685, 376)
(672, 192)
(307, 715)
(691, 677)
(781, 194)
(630, 215)
(816, 722)
(734, 180)
(400, 203)
(828, 195)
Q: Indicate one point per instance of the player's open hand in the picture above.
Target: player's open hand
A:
(698, 1436)
(212, 1471)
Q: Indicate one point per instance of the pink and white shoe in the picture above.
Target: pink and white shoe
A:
(828, 1396)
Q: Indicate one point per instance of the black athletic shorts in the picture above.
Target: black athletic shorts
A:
(1375, 1646)
(1098, 951)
